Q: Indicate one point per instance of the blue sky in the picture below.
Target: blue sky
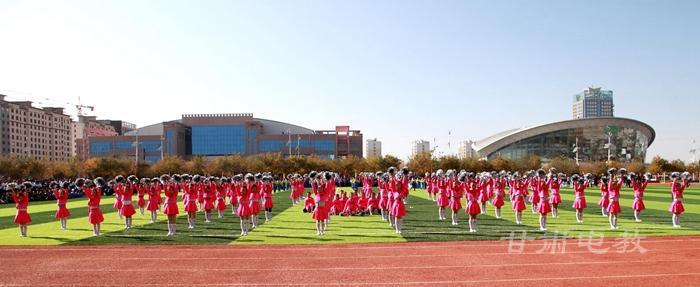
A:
(397, 70)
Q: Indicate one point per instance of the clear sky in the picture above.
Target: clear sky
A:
(397, 70)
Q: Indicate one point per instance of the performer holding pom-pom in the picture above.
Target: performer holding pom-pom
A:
(457, 188)
(235, 192)
(93, 191)
(153, 190)
(320, 213)
(604, 195)
(639, 184)
(519, 187)
(243, 210)
(614, 187)
(221, 191)
(473, 190)
(442, 193)
(499, 189)
(542, 188)
(254, 188)
(20, 196)
(554, 186)
(126, 191)
(580, 184)
(680, 182)
(61, 195)
(171, 188)
(191, 194)
(267, 196)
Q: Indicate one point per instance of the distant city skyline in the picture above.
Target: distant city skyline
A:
(396, 70)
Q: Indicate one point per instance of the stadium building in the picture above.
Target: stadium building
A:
(588, 139)
(213, 135)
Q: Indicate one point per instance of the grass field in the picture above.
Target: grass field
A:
(290, 225)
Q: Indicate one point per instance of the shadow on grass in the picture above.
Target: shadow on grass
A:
(220, 231)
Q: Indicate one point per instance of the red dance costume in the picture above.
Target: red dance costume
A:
(639, 187)
(604, 196)
(351, 205)
(373, 202)
(142, 190)
(61, 196)
(125, 193)
(499, 187)
(320, 198)
(221, 197)
(363, 203)
(21, 204)
(519, 188)
(490, 189)
(200, 193)
(209, 196)
(383, 195)
(473, 190)
(233, 193)
(486, 191)
(171, 192)
(542, 188)
(429, 185)
(677, 190)
(243, 209)
(443, 196)
(297, 188)
(555, 186)
(254, 190)
(191, 196)
(335, 209)
(118, 199)
(456, 190)
(535, 196)
(399, 208)
(154, 198)
(94, 196)
(309, 204)
(267, 195)
(367, 183)
(579, 195)
(614, 196)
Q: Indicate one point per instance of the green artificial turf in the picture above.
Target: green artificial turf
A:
(290, 225)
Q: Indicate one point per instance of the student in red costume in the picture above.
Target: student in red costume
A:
(680, 182)
(61, 195)
(171, 189)
(266, 194)
(93, 191)
(20, 195)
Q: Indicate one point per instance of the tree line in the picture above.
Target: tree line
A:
(18, 167)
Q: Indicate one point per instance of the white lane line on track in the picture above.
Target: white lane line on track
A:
(58, 269)
(280, 257)
(394, 283)
(274, 247)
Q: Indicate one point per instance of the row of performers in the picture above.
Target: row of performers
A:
(446, 188)
(247, 195)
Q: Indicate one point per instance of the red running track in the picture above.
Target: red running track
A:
(669, 261)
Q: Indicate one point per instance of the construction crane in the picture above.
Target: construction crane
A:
(80, 108)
